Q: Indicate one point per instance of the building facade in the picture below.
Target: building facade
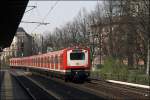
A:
(23, 46)
(20, 46)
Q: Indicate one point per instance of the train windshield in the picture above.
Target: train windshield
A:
(77, 56)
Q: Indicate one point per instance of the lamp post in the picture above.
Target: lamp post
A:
(148, 58)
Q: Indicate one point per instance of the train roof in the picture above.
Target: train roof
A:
(50, 53)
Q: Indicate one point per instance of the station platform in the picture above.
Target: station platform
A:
(10, 88)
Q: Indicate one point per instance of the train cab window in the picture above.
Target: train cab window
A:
(77, 56)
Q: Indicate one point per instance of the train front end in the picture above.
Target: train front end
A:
(78, 64)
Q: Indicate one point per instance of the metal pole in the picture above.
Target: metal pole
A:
(148, 59)
(42, 43)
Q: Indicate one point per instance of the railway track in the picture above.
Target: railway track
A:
(138, 90)
(34, 90)
(104, 90)
(60, 91)
(92, 90)
(110, 90)
(116, 91)
(66, 91)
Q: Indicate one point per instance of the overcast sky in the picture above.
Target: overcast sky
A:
(63, 12)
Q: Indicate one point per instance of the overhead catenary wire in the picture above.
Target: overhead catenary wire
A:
(50, 10)
(31, 8)
(38, 12)
(35, 22)
(35, 28)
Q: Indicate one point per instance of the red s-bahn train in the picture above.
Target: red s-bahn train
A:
(70, 63)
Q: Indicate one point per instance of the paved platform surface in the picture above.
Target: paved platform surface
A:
(10, 89)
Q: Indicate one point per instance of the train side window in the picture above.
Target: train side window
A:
(56, 59)
(34, 61)
(38, 61)
(52, 60)
(47, 59)
(61, 58)
(31, 61)
(41, 59)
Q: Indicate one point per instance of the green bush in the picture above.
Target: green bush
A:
(114, 70)
(138, 78)
(113, 66)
